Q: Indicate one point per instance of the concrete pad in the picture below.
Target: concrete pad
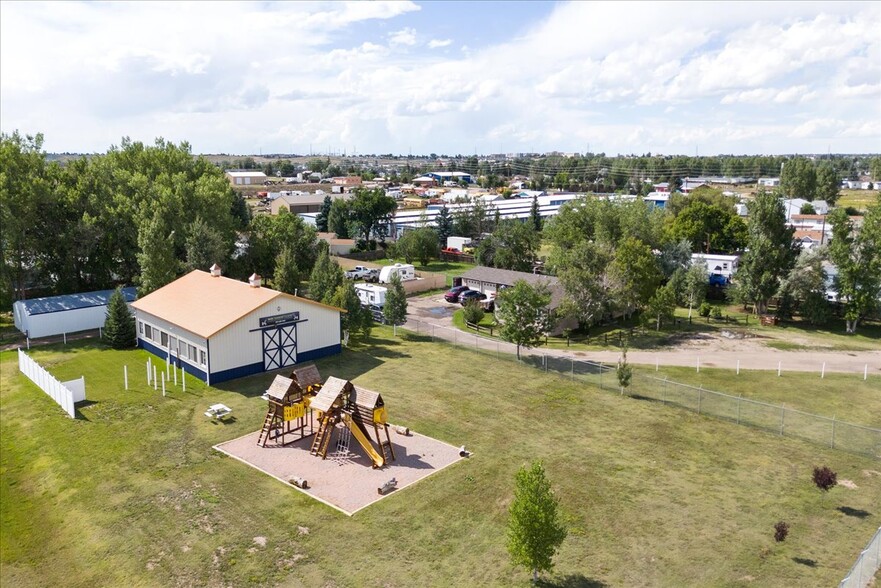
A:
(344, 481)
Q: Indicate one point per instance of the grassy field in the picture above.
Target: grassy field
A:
(859, 199)
(131, 493)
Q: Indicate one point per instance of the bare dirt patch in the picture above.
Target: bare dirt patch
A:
(848, 484)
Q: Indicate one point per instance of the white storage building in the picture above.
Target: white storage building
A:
(56, 315)
(219, 329)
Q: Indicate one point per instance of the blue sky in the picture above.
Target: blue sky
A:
(446, 77)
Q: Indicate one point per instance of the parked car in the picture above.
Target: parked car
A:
(372, 275)
(358, 272)
(453, 294)
(451, 251)
(467, 295)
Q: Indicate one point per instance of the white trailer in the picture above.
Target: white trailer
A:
(371, 294)
(716, 264)
(458, 242)
(405, 271)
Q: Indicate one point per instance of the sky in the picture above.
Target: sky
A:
(687, 78)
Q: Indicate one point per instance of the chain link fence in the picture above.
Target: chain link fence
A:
(787, 422)
(867, 564)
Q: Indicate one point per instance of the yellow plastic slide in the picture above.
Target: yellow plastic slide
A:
(378, 461)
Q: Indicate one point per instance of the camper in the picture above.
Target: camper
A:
(371, 294)
(405, 271)
(458, 242)
(720, 266)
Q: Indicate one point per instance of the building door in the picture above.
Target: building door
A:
(279, 347)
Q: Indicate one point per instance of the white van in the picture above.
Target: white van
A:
(405, 271)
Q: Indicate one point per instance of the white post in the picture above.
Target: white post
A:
(183, 377)
(175, 377)
(698, 364)
(823, 371)
(738, 367)
(148, 372)
(155, 379)
(65, 338)
(100, 333)
(865, 372)
(125, 375)
(168, 364)
(163, 384)
(29, 343)
(778, 368)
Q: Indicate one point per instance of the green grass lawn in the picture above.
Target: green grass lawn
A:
(450, 268)
(131, 493)
(859, 199)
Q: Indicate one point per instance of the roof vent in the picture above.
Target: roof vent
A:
(255, 280)
(215, 270)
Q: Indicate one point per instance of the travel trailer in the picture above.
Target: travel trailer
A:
(405, 271)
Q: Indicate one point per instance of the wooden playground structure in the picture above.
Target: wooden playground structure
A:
(342, 410)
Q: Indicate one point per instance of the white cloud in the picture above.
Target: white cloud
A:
(733, 77)
(403, 37)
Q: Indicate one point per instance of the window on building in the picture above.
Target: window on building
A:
(192, 354)
(141, 327)
(148, 331)
(164, 340)
(173, 341)
(202, 359)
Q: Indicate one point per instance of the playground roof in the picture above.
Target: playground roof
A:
(279, 387)
(73, 301)
(365, 398)
(328, 394)
(307, 375)
(204, 304)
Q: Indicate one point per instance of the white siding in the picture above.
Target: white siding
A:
(238, 345)
(174, 331)
(56, 323)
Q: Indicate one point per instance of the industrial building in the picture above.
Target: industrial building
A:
(220, 329)
(59, 315)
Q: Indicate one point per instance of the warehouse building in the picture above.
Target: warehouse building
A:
(220, 329)
(70, 313)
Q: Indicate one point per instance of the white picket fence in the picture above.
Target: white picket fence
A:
(66, 394)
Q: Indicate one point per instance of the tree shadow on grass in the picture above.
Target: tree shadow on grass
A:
(811, 563)
(854, 512)
(571, 581)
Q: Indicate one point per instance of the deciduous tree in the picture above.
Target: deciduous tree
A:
(522, 310)
(857, 255)
(159, 265)
(535, 528)
(798, 179)
(395, 309)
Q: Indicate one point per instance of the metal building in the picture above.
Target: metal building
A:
(57, 315)
(219, 329)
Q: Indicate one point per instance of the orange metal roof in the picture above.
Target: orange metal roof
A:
(204, 305)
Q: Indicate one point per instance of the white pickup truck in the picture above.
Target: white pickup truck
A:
(358, 272)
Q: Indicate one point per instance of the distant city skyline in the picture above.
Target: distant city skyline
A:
(447, 78)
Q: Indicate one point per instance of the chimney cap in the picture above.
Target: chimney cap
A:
(215, 270)
(255, 280)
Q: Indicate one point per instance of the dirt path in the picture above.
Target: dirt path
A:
(432, 315)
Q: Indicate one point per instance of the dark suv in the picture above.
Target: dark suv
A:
(468, 295)
(453, 294)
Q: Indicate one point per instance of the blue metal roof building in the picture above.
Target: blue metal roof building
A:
(69, 313)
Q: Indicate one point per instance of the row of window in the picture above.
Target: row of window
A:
(179, 347)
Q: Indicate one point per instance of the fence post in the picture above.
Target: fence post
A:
(65, 338)
(779, 363)
(125, 375)
(823, 371)
(698, 364)
(183, 377)
(738, 367)
(148, 372)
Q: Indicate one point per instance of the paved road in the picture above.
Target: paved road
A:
(432, 315)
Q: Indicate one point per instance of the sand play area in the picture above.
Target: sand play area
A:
(345, 480)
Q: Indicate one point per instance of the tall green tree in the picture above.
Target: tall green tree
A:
(321, 219)
(338, 219)
(583, 271)
(634, 274)
(857, 256)
(771, 252)
(828, 184)
(444, 225)
(798, 179)
(694, 286)
(286, 276)
(395, 309)
(662, 305)
(710, 228)
(421, 244)
(512, 246)
(204, 246)
(119, 324)
(535, 215)
(369, 209)
(326, 277)
(806, 285)
(356, 319)
(158, 262)
(522, 310)
(535, 526)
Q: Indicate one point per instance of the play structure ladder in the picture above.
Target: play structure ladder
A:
(388, 454)
(267, 427)
(322, 439)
